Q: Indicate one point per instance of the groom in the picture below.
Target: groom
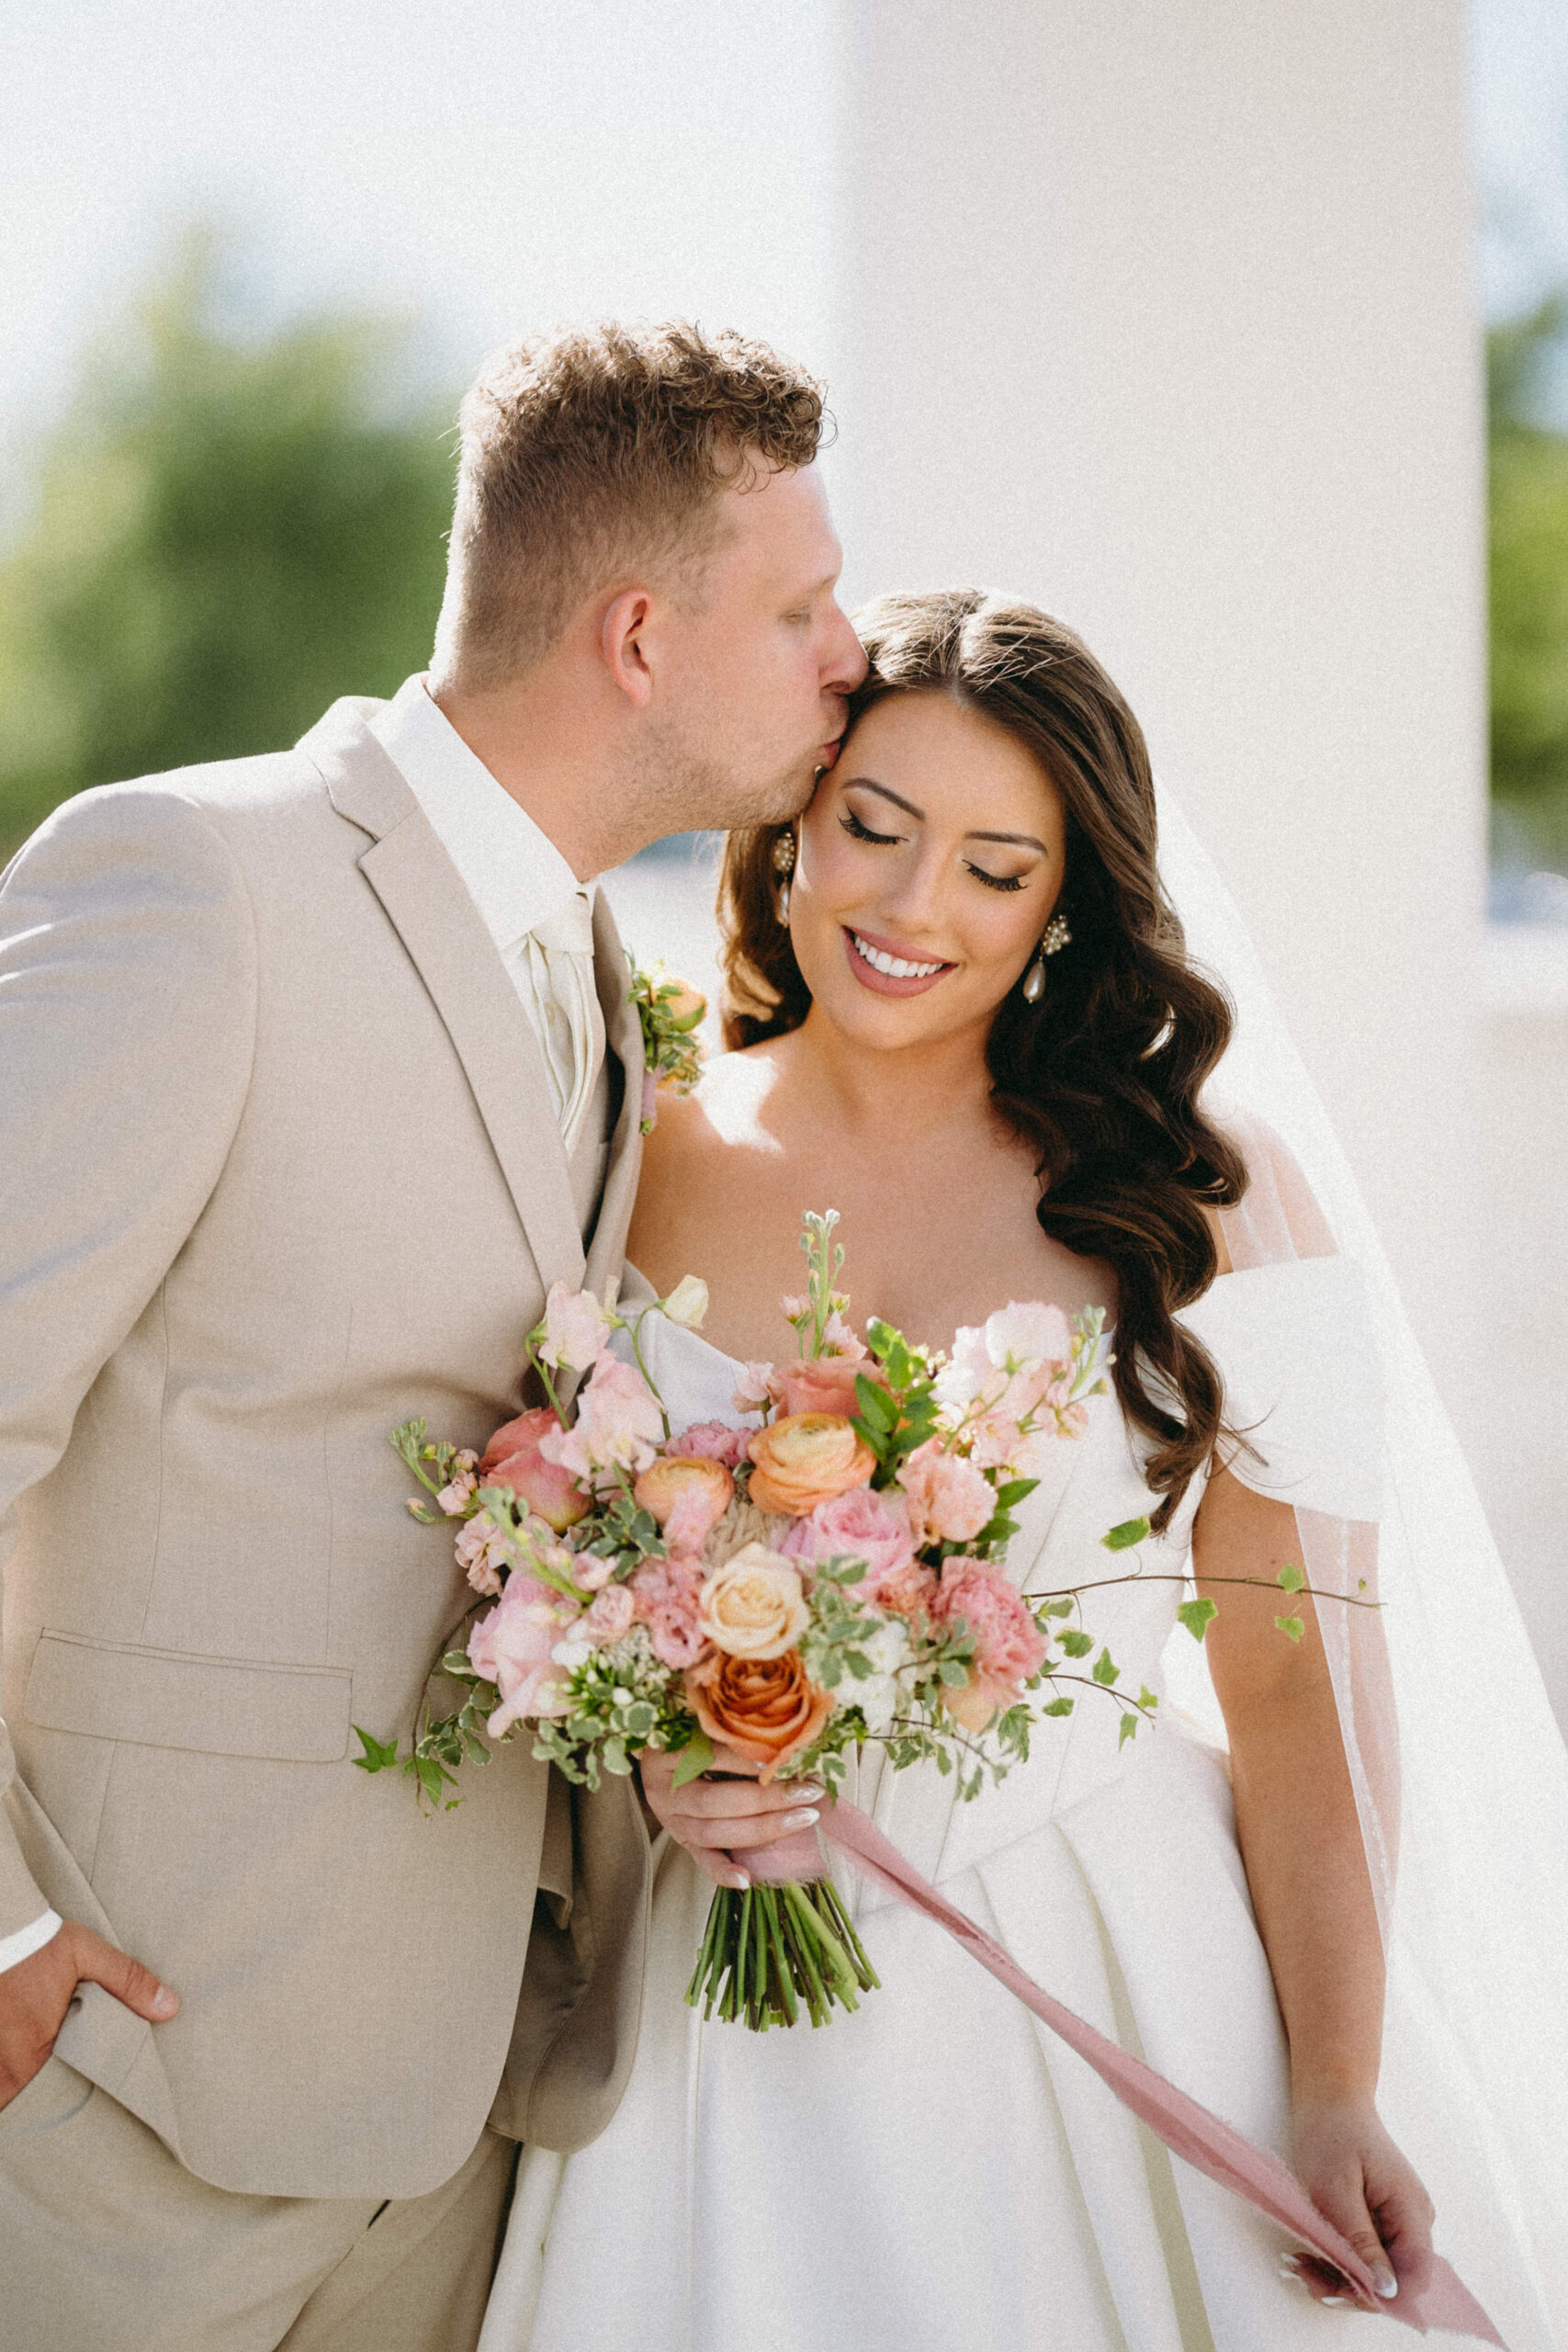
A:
(316, 1070)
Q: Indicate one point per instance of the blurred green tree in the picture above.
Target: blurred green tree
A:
(1528, 532)
(227, 535)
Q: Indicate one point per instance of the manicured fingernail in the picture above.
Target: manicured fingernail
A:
(811, 1790)
(164, 2003)
(1332, 2302)
(1386, 2284)
(739, 1882)
(800, 1820)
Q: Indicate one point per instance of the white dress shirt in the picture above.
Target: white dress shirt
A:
(540, 917)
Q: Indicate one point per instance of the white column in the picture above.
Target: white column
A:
(1160, 313)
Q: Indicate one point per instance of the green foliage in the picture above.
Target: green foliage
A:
(1198, 1615)
(227, 536)
(1528, 547)
(1123, 1538)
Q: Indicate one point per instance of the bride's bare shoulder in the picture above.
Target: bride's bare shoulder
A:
(724, 1117)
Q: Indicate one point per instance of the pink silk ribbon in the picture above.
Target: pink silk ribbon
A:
(1430, 2296)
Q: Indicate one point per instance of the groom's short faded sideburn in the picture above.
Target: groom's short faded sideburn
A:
(594, 455)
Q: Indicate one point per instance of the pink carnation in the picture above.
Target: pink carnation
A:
(511, 1648)
(712, 1441)
(611, 1614)
(1008, 1646)
(664, 1598)
(859, 1525)
(909, 1592)
(949, 1500)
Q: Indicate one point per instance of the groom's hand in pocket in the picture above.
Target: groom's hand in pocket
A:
(723, 1809)
(36, 1993)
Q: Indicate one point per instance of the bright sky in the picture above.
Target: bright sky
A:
(488, 163)
(482, 164)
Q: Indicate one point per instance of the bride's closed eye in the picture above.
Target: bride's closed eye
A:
(858, 832)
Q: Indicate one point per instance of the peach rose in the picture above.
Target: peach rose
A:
(700, 1486)
(512, 1459)
(825, 1385)
(766, 1709)
(806, 1459)
(754, 1606)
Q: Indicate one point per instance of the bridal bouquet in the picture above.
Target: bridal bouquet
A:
(825, 1570)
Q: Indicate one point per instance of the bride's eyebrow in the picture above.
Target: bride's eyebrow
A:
(869, 783)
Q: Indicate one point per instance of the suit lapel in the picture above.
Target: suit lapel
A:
(446, 937)
(623, 1033)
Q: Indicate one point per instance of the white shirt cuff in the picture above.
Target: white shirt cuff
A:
(14, 1949)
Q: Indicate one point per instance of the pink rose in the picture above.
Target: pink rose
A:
(949, 1500)
(611, 1614)
(859, 1525)
(512, 1458)
(825, 1384)
(1008, 1646)
(511, 1648)
(712, 1441)
(618, 1426)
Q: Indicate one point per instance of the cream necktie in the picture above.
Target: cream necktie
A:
(559, 957)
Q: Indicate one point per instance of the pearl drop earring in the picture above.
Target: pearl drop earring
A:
(1058, 935)
(784, 866)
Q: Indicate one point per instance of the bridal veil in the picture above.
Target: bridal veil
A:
(1458, 1766)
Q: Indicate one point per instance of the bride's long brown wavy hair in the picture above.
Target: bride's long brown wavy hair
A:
(1101, 1077)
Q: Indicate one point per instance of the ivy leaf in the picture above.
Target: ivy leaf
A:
(1104, 1672)
(1197, 1615)
(378, 1753)
(1058, 1707)
(1078, 1643)
(1291, 1626)
(1123, 1538)
(1059, 1608)
(1129, 1730)
(1147, 1698)
(694, 1760)
(1291, 1579)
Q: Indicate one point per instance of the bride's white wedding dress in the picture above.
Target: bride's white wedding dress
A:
(938, 2173)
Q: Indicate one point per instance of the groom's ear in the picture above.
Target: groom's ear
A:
(624, 642)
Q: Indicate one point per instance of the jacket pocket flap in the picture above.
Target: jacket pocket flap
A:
(294, 1715)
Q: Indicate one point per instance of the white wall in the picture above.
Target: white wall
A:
(1162, 314)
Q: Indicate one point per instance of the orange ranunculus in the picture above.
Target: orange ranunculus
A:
(806, 1459)
(766, 1709)
(701, 1487)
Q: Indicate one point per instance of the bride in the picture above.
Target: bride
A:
(963, 1014)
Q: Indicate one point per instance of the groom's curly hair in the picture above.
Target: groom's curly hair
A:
(599, 451)
(1102, 1076)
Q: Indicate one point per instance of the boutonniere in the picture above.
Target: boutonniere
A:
(671, 1013)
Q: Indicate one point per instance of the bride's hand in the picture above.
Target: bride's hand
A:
(1359, 2180)
(708, 1816)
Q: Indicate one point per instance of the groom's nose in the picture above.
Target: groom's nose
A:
(846, 664)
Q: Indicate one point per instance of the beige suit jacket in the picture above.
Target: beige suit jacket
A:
(279, 1169)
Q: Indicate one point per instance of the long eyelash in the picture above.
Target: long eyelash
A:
(997, 881)
(858, 832)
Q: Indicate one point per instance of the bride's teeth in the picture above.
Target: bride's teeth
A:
(894, 967)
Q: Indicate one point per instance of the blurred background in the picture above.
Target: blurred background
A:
(1235, 331)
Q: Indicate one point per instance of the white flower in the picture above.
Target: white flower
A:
(576, 1328)
(688, 1303)
(753, 1393)
(1018, 1335)
(878, 1698)
(572, 1653)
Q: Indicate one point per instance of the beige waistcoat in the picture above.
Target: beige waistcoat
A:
(279, 1169)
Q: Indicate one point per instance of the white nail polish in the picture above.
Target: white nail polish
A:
(1332, 2302)
(1387, 2288)
(801, 1820)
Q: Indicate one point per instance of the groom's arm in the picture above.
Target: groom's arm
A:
(127, 1018)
